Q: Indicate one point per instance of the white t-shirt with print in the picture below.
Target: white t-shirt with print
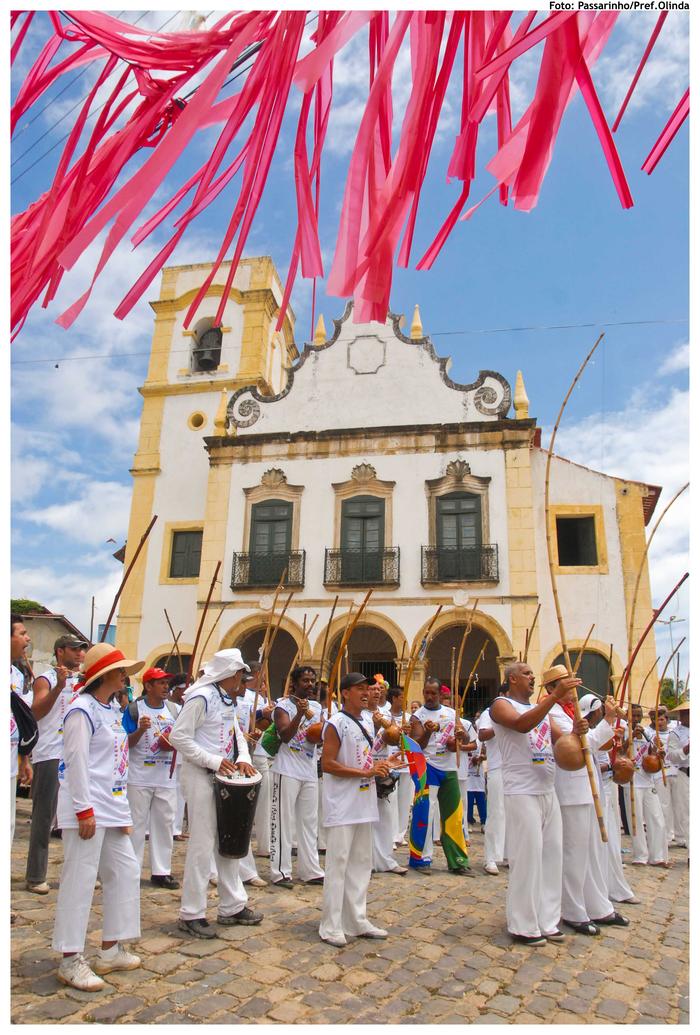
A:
(527, 758)
(217, 733)
(95, 773)
(297, 758)
(350, 799)
(50, 743)
(463, 770)
(436, 751)
(149, 764)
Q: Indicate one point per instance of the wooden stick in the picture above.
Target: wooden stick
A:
(262, 657)
(346, 636)
(343, 654)
(176, 638)
(300, 650)
(630, 753)
(127, 573)
(465, 634)
(268, 649)
(268, 627)
(172, 651)
(644, 681)
(581, 652)
(528, 635)
(209, 635)
(412, 661)
(560, 620)
(611, 685)
(325, 638)
(201, 620)
(455, 696)
(473, 672)
(656, 706)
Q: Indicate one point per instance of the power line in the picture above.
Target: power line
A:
(489, 330)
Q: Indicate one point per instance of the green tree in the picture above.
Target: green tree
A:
(670, 694)
(24, 606)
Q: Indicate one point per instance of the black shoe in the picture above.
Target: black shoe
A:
(314, 880)
(284, 883)
(614, 920)
(198, 928)
(463, 871)
(248, 917)
(164, 880)
(587, 927)
(524, 939)
(58, 834)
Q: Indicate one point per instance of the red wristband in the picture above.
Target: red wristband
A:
(86, 814)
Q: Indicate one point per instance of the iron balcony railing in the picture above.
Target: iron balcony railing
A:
(362, 567)
(265, 569)
(466, 564)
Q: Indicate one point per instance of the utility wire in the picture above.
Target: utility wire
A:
(490, 330)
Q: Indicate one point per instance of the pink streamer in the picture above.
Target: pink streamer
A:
(680, 114)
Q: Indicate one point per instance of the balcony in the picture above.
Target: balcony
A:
(260, 570)
(472, 564)
(362, 567)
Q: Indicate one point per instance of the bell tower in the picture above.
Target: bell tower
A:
(187, 372)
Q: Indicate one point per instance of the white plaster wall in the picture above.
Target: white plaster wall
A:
(584, 599)
(404, 387)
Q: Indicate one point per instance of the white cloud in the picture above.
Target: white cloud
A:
(676, 361)
(98, 512)
(70, 593)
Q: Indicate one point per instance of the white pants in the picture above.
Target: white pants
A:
(533, 900)
(648, 846)
(433, 832)
(584, 866)
(179, 803)
(680, 795)
(348, 871)
(247, 868)
(667, 804)
(201, 809)
(111, 852)
(298, 799)
(495, 830)
(12, 806)
(153, 808)
(402, 800)
(383, 836)
(321, 839)
(618, 888)
(262, 763)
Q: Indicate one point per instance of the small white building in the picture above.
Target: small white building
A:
(359, 464)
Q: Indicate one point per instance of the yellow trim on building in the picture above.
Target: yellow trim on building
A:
(522, 556)
(167, 548)
(593, 510)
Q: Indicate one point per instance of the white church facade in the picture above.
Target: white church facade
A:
(355, 464)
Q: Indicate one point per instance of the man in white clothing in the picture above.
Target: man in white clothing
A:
(294, 784)
(152, 789)
(678, 754)
(53, 692)
(495, 829)
(383, 830)
(525, 734)
(349, 809)
(649, 845)
(207, 735)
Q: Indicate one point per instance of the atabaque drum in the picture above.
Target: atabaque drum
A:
(236, 798)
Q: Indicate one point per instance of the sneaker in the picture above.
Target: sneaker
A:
(615, 919)
(491, 869)
(256, 882)
(555, 936)
(284, 883)
(584, 927)
(246, 916)
(634, 901)
(314, 880)
(198, 928)
(463, 871)
(373, 932)
(339, 940)
(74, 971)
(165, 880)
(524, 939)
(400, 871)
(116, 958)
(39, 889)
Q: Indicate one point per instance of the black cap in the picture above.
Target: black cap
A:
(352, 679)
(70, 640)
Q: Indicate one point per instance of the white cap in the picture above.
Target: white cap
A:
(588, 704)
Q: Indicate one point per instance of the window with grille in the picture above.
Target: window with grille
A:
(459, 535)
(270, 540)
(362, 539)
(185, 555)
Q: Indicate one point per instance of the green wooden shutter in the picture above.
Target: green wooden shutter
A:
(270, 540)
(362, 539)
(459, 536)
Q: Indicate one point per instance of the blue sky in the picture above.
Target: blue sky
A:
(509, 291)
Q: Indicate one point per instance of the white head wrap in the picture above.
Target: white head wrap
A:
(224, 664)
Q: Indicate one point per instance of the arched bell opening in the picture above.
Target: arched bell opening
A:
(484, 686)
(206, 347)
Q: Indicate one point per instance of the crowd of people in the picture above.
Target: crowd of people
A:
(345, 779)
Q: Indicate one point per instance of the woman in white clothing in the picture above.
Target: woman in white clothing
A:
(93, 813)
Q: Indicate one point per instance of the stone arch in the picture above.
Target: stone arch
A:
(374, 618)
(460, 616)
(597, 646)
(162, 651)
(248, 634)
(252, 623)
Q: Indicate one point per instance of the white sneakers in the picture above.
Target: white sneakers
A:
(491, 869)
(74, 971)
(373, 932)
(39, 889)
(339, 940)
(116, 958)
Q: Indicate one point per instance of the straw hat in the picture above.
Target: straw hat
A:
(554, 673)
(104, 658)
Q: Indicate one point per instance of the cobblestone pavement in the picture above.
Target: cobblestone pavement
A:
(448, 959)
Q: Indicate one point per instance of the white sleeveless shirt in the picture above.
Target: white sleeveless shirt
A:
(350, 799)
(527, 758)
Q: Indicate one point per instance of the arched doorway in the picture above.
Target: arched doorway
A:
(594, 671)
(280, 659)
(439, 664)
(173, 664)
(371, 650)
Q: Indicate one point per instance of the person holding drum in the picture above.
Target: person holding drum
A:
(349, 810)
(94, 815)
(207, 736)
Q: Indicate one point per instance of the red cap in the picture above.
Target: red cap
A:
(154, 673)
